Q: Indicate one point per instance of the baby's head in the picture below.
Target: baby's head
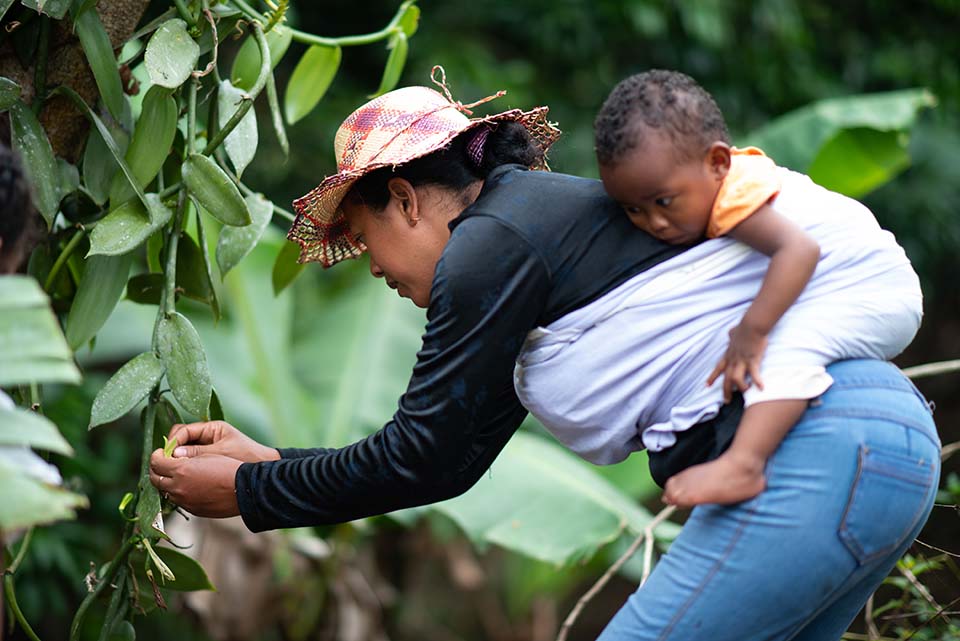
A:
(663, 149)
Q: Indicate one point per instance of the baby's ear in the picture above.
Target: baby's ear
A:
(718, 159)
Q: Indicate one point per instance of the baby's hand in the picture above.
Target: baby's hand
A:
(743, 357)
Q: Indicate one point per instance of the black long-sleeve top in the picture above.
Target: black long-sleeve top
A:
(532, 248)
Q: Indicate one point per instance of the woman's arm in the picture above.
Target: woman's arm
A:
(459, 409)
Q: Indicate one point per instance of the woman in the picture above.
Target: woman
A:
(454, 220)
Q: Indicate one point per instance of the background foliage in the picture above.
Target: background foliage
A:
(271, 364)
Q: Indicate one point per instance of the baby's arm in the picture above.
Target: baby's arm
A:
(793, 258)
(737, 474)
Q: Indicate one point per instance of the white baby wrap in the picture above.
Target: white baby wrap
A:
(629, 370)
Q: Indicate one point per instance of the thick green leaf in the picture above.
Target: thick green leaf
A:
(23, 427)
(122, 631)
(4, 6)
(206, 265)
(99, 165)
(186, 363)
(310, 80)
(190, 575)
(56, 9)
(126, 388)
(192, 279)
(285, 267)
(69, 177)
(237, 242)
(150, 144)
(395, 63)
(25, 502)
(145, 288)
(107, 138)
(857, 161)
(410, 20)
(795, 139)
(9, 93)
(128, 226)
(32, 347)
(246, 66)
(171, 54)
(104, 278)
(214, 190)
(216, 409)
(241, 143)
(148, 507)
(31, 141)
(96, 45)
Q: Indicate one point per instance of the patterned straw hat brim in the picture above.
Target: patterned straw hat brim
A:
(385, 133)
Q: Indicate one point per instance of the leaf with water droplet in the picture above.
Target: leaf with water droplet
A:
(241, 143)
(186, 362)
(171, 54)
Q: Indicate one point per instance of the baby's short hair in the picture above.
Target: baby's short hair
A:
(668, 101)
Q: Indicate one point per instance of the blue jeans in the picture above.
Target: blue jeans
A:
(847, 492)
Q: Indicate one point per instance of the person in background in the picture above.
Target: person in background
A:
(20, 228)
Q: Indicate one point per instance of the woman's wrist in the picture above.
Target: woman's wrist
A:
(270, 454)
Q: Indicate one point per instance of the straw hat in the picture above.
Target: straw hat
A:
(391, 130)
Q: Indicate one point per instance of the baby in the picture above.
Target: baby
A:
(665, 155)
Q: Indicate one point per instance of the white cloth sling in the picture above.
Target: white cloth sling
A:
(629, 370)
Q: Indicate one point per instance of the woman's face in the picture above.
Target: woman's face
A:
(405, 240)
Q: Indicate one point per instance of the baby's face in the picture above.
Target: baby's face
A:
(668, 198)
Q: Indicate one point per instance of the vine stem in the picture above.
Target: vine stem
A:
(11, 596)
(185, 12)
(170, 285)
(250, 96)
(345, 41)
(112, 568)
(932, 369)
(22, 552)
(113, 609)
(62, 258)
(149, 421)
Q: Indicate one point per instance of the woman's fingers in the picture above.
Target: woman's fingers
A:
(162, 465)
(195, 432)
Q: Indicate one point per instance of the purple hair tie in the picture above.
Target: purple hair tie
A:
(476, 144)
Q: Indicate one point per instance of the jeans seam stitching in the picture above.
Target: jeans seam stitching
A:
(713, 571)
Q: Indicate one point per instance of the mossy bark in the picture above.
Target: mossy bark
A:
(66, 65)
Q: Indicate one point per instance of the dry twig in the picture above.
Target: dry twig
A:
(645, 536)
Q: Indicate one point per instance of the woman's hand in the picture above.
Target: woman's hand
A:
(219, 437)
(743, 357)
(203, 485)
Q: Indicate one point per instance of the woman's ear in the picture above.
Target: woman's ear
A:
(718, 160)
(404, 197)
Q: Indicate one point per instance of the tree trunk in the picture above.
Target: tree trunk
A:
(66, 65)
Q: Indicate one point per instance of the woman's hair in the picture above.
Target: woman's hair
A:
(667, 101)
(19, 227)
(453, 166)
